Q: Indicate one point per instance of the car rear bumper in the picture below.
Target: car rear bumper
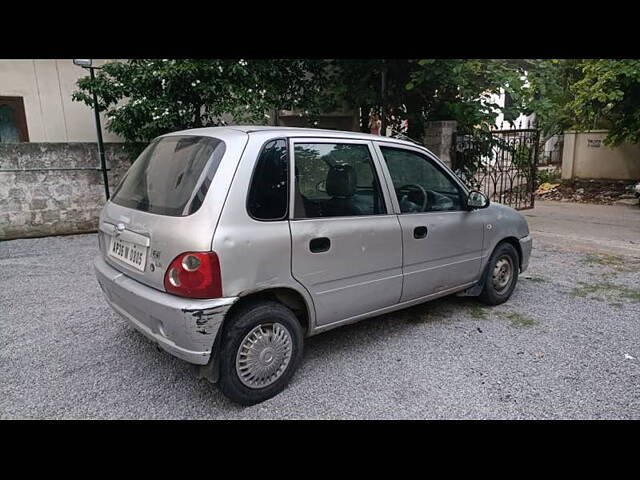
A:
(186, 328)
(526, 243)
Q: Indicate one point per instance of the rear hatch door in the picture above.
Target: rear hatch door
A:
(169, 202)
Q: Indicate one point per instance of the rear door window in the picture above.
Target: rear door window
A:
(172, 175)
(336, 180)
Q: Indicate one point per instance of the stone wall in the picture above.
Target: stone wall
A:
(54, 188)
(438, 137)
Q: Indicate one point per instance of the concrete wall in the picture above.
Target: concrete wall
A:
(585, 156)
(46, 87)
(54, 188)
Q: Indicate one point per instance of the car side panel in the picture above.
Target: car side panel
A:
(501, 222)
(451, 253)
(361, 272)
(448, 257)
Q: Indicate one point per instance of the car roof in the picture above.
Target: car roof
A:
(232, 130)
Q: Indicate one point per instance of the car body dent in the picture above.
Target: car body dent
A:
(184, 327)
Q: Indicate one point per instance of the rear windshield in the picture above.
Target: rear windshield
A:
(171, 176)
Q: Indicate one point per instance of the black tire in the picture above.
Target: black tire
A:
(491, 294)
(237, 327)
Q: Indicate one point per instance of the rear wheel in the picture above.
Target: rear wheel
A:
(502, 275)
(260, 350)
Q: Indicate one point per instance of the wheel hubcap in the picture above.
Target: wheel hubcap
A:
(264, 355)
(502, 273)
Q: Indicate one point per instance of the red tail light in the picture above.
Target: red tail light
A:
(194, 275)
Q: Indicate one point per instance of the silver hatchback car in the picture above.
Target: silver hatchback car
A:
(227, 246)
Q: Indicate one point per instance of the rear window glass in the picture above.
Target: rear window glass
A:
(172, 175)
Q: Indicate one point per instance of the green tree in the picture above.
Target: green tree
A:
(461, 90)
(423, 90)
(357, 84)
(608, 96)
(547, 93)
(584, 95)
(146, 98)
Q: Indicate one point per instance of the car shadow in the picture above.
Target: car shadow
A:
(186, 378)
(369, 330)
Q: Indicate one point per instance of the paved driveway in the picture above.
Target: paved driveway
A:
(567, 345)
(609, 229)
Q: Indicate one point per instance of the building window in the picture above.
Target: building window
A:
(13, 123)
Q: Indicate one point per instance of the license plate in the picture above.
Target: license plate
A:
(129, 253)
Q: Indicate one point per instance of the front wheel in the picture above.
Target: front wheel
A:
(502, 275)
(260, 350)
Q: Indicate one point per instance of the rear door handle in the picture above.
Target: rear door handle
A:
(420, 232)
(319, 245)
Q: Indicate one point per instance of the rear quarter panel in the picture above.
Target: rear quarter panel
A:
(254, 255)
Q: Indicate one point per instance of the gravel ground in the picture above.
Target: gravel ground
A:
(558, 349)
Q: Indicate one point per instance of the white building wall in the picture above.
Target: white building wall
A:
(46, 87)
(586, 156)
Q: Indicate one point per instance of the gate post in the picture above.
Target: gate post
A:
(438, 137)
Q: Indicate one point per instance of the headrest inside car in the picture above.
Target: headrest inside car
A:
(341, 181)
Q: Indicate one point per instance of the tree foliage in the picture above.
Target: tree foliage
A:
(547, 93)
(147, 98)
(585, 95)
(424, 90)
(357, 84)
(462, 90)
(608, 96)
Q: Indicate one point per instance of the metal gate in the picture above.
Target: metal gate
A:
(500, 163)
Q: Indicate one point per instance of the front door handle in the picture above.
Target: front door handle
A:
(319, 245)
(420, 232)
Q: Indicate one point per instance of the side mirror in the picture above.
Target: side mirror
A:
(477, 200)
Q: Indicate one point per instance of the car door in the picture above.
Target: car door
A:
(346, 240)
(442, 240)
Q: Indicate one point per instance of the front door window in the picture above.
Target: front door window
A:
(419, 184)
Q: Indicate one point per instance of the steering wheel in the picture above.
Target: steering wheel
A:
(415, 187)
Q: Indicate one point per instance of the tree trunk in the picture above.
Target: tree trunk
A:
(196, 117)
(364, 118)
(414, 117)
(383, 99)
